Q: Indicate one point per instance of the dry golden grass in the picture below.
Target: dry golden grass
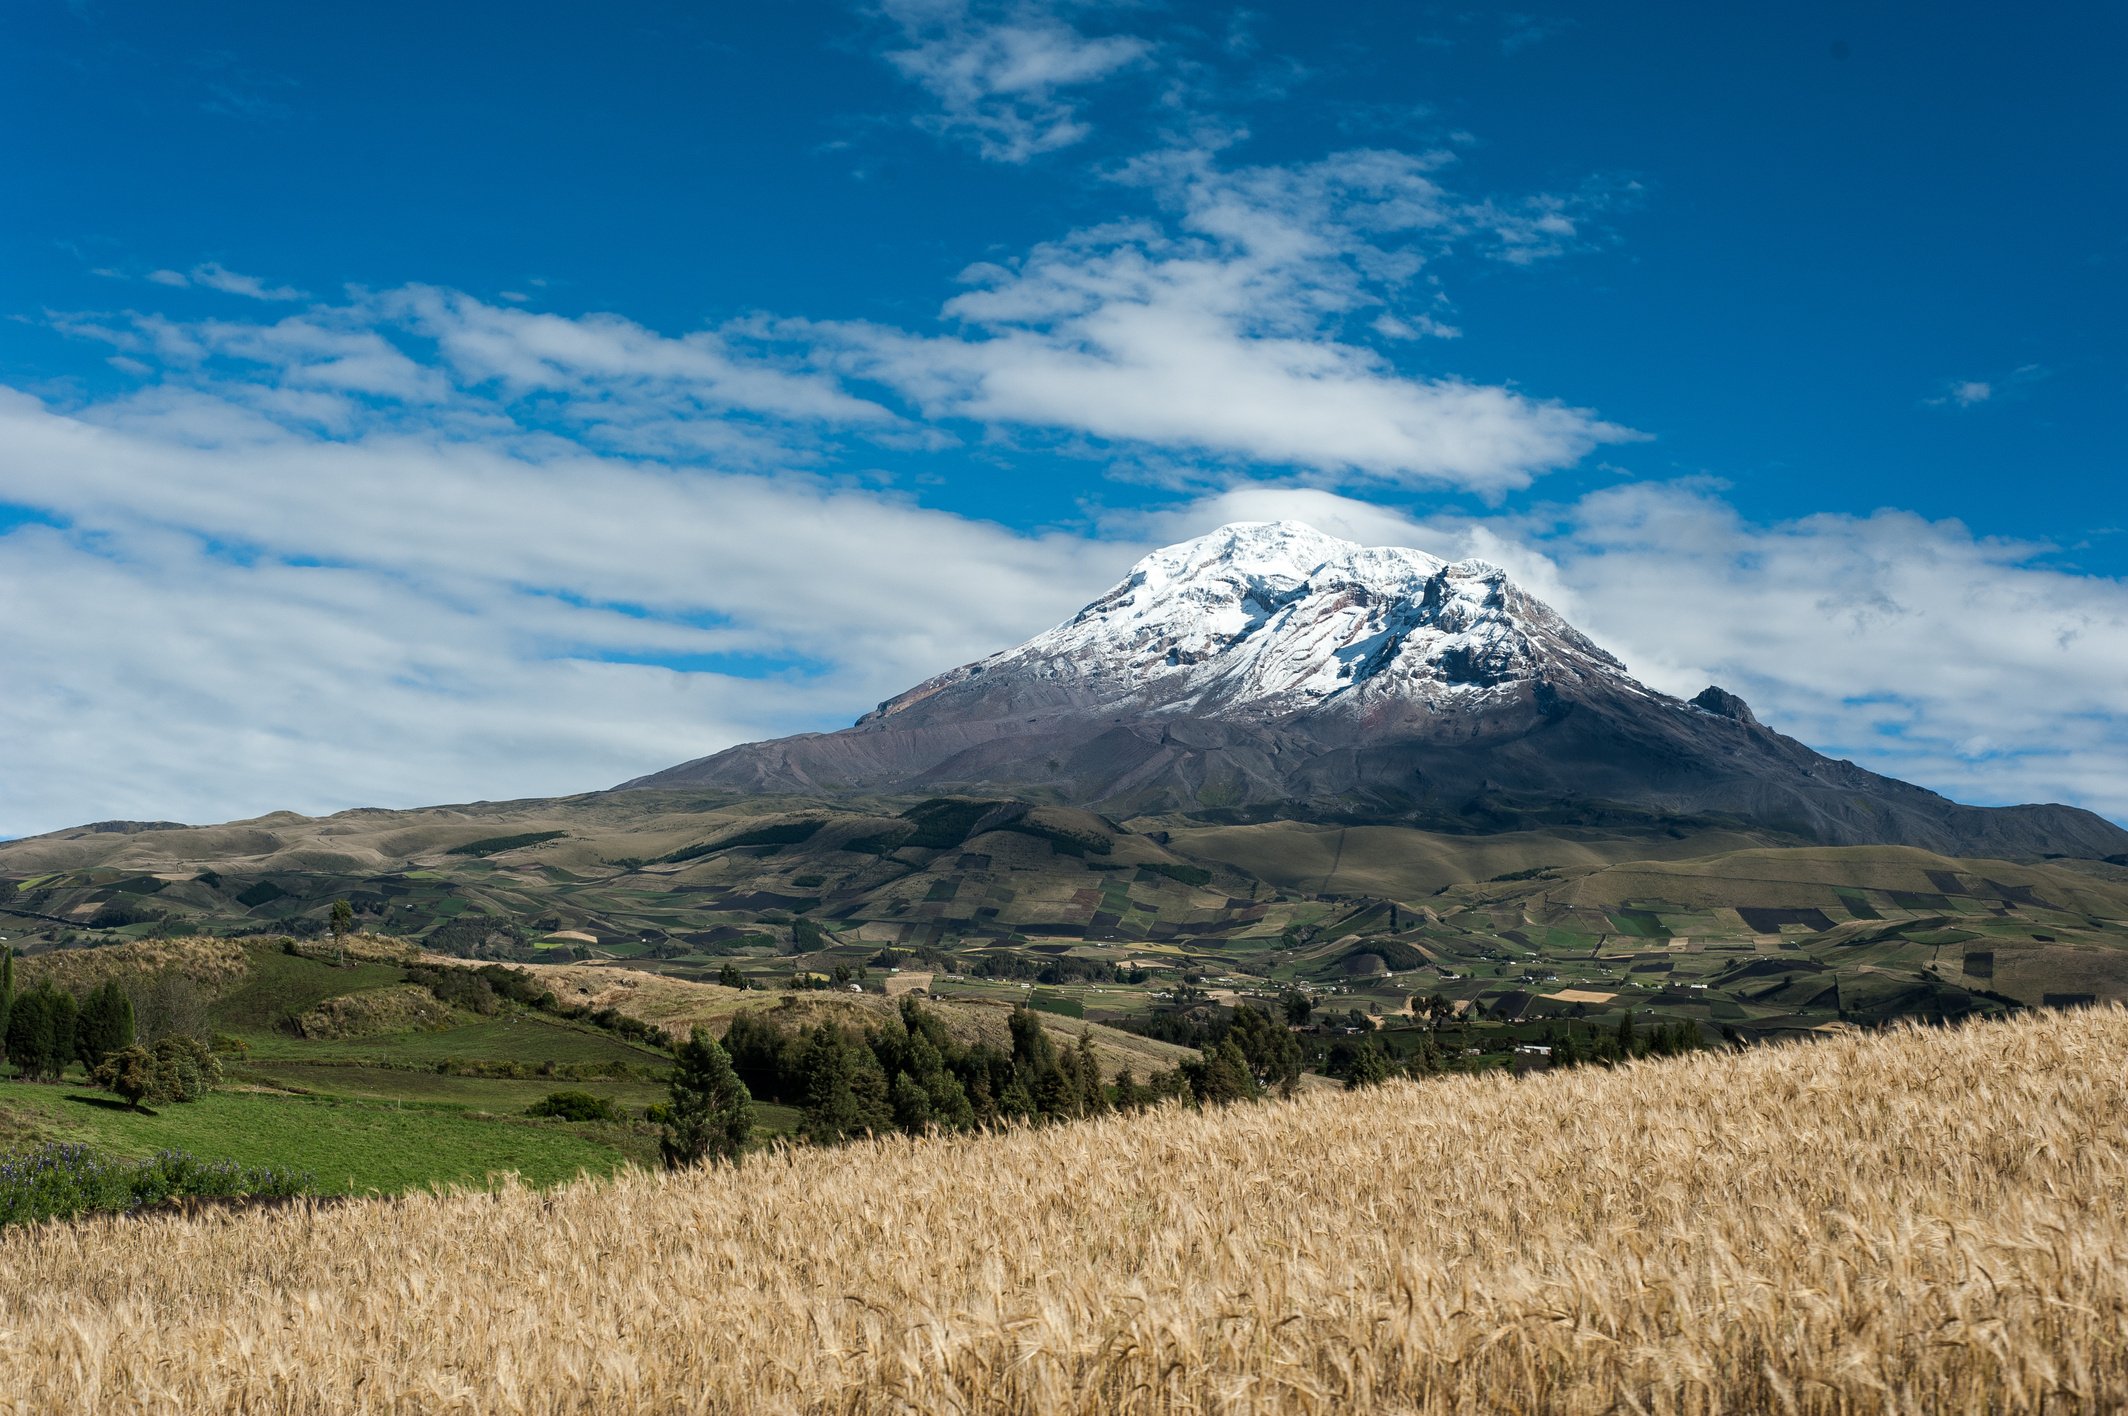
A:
(677, 1005)
(1920, 1222)
(214, 964)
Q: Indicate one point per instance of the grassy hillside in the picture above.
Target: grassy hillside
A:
(423, 1095)
(986, 903)
(350, 1071)
(1921, 1220)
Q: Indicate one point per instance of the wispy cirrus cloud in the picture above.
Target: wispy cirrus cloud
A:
(212, 275)
(1005, 76)
(1971, 393)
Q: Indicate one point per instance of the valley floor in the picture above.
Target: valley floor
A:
(1915, 1221)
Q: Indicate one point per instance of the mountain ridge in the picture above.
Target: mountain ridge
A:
(1268, 668)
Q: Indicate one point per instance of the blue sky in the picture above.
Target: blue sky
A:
(403, 405)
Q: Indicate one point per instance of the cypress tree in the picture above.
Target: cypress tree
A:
(104, 1026)
(29, 1033)
(1090, 1076)
(710, 1113)
(912, 1104)
(7, 994)
(60, 1050)
(874, 1097)
(1036, 1089)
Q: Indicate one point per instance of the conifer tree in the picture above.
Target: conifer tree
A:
(105, 1025)
(912, 1104)
(29, 1033)
(1370, 1067)
(872, 1092)
(845, 1092)
(1223, 1076)
(62, 1010)
(710, 1113)
(7, 993)
(1090, 1076)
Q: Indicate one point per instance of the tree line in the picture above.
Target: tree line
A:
(910, 1075)
(45, 1030)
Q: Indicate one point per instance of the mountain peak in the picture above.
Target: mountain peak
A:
(1264, 619)
(1269, 667)
(1724, 704)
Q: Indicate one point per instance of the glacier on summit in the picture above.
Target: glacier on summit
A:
(1263, 619)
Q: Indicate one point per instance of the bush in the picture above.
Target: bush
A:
(573, 1106)
(175, 1068)
(483, 990)
(61, 1181)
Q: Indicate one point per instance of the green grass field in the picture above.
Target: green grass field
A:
(351, 1146)
(280, 985)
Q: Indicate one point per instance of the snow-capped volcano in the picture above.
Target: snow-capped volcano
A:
(1265, 619)
(1269, 669)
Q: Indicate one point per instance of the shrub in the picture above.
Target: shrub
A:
(176, 1068)
(61, 1181)
(573, 1106)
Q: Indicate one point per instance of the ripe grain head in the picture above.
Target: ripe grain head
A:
(1925, 1220)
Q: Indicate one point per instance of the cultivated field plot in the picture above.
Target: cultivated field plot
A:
(1922, 1221)
(1530, 934)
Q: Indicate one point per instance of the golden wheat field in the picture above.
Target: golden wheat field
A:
(1920, 1221)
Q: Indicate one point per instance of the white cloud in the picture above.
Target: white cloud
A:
(526, 352)
(2017, 383)
(1000, 72)
(1233, 328)
(236, 616)
(214, 276)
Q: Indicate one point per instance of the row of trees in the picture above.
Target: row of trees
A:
(1368, 1063)
(911, 1075)
(1607, 1047)
(47, 1029)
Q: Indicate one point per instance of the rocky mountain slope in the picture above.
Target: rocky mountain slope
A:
(1267, 668)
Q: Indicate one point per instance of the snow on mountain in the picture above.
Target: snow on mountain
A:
(1264, 619)
(1270, 669)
